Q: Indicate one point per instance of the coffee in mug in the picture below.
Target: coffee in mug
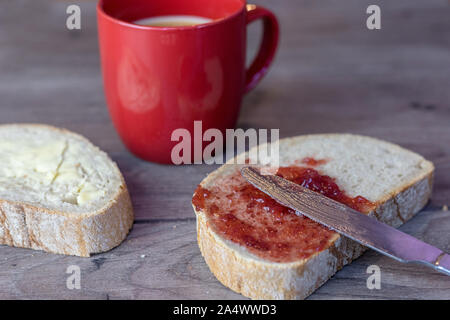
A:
(172, 21)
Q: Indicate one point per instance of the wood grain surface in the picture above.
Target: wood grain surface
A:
(331, 74)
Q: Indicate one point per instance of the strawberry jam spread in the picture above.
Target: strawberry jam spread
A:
(239, 212)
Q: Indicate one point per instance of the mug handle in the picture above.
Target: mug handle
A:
(269, 45)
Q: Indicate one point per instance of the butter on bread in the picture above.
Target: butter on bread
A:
(396, 180)
(59, 193)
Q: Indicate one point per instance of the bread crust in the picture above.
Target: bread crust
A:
(80, 234)
(256, 278)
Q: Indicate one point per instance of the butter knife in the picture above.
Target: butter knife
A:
(348, 222)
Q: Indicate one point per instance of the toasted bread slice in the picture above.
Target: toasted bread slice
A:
(59, 193)
(396, 182)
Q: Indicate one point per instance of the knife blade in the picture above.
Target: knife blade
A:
(348, 222)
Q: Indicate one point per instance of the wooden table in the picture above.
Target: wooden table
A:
(331, 75)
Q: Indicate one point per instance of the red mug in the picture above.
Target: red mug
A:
(159, 79)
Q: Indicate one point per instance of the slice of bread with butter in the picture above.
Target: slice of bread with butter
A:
(59, 193)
